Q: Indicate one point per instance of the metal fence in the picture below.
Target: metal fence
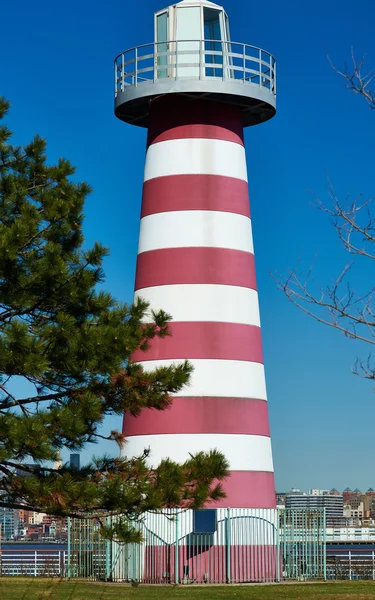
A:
(226, 546)
(188, 547)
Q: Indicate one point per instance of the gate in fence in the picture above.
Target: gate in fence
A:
(303, 544)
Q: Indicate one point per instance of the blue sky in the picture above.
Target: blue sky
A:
(57, 70)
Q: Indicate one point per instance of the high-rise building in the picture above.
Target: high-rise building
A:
(75, 461)
(9, 523)
(334, 505)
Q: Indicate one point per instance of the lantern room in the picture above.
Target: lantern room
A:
(191, 30)
(193, 54)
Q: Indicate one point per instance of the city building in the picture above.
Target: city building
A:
(75, 461)
(350, 534)
(333, 503)
(280, 500)
(360, 507)
(9, 523)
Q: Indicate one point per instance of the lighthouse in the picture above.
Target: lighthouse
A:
(195, 90)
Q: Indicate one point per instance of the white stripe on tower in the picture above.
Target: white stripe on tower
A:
(194, 156)
(204, 302)
(198, 228)
(195, 261)
(220, 378)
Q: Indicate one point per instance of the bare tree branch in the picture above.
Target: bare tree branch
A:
(356, 80)
(338, 305)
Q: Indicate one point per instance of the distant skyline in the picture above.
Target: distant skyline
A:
(296, 490)
(57, 70)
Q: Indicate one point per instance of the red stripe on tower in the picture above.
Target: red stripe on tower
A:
(203, 414)
(171, 266)
(195, 192)
(218, 341)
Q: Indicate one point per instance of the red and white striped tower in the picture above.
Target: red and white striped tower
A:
(196, 255)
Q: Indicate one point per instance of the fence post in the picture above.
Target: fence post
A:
(35, 563)
(284, 556)
(177, 566)
(324, 544)
(278, 546)
(69, 548)
(228, 545)
(108, 568)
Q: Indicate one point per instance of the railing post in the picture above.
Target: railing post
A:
(228, 545)
(260, 67)
(116, 77)
(274, 77)
(69, 547)
(136, 67)
(177, 566)
(155, 61)
(35, 563)
(244, 63)
(122, 72)
(201, 42)
(224, 50)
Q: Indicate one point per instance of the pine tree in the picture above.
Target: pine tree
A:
(73, 344)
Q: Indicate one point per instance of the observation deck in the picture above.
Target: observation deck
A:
(227, 72)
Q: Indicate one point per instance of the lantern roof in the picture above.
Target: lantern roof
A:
(198, 2)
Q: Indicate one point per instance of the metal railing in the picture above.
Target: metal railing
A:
(33, 563)
(195, 59)
(351, 565)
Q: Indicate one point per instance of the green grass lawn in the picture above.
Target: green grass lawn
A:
(39, 589)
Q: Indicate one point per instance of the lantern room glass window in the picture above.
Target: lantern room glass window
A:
(214, 36)
(162, 43)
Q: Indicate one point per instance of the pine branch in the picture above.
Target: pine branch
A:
(51, 397)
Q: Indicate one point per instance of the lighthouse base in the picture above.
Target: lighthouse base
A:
(210, 546)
